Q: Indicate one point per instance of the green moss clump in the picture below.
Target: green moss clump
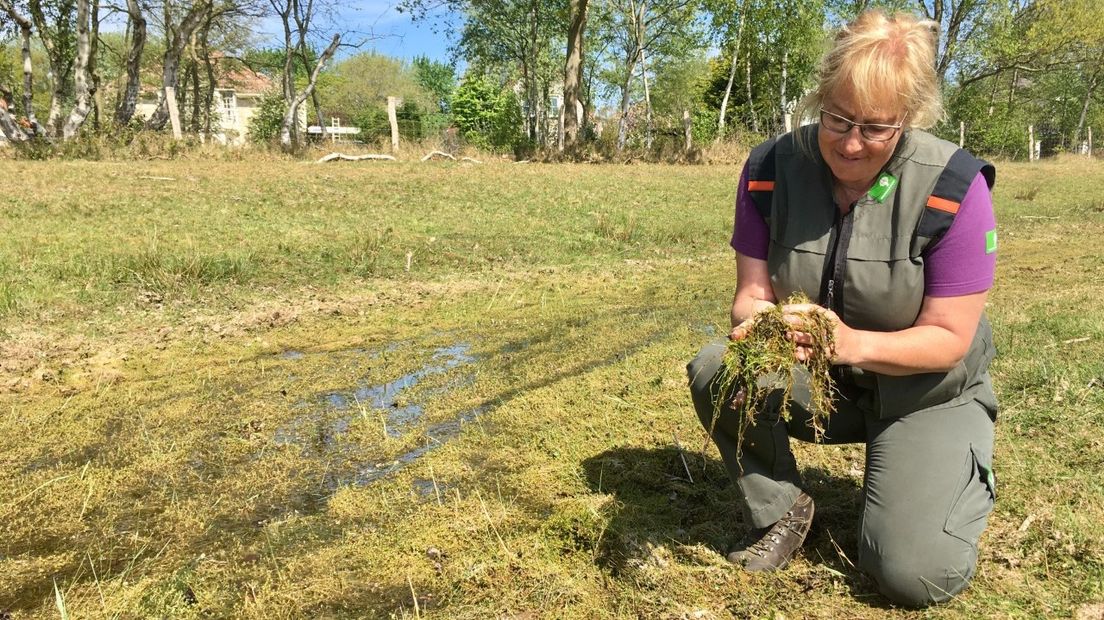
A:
(764, 360)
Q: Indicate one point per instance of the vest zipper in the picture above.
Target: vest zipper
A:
(835, 267)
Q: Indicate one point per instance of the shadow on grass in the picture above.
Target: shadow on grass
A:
(658, 505)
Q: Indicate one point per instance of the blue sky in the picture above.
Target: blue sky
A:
(380, 27)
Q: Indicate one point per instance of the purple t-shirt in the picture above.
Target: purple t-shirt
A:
(959, 264)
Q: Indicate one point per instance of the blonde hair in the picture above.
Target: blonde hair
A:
(888, 63)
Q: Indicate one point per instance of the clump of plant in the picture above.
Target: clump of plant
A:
(764, 361)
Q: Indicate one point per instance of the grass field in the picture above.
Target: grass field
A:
(277, 389)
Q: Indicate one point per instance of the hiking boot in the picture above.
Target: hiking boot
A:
(772, 548)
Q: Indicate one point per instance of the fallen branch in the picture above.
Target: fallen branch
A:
(344, 157)
(430, 155)
(474, 161)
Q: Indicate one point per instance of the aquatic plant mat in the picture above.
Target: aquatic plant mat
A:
(764, 361)
(226, 396)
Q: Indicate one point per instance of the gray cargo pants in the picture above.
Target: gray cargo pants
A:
(927, 491)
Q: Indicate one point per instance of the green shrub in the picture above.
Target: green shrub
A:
(264, 126)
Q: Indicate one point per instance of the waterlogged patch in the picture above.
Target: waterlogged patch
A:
(321, 430)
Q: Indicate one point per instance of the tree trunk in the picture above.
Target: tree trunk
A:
(732, 72)
(649, 126)
(81, 75)
(623, 124)
(93, 67)
(9, 127)
(61, 65)
(170, 72)
(533, 88)
(25, 30)
(292, 115)
(315, 101)
(209, 94)
(1085, 108)
(751, 101)
(573, 76)
(137, 25)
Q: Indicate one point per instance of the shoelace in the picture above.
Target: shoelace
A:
(766, 544)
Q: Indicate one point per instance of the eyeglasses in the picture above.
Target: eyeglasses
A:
(873, 132)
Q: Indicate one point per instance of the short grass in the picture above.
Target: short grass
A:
(276, 389)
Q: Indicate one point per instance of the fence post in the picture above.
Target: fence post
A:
(961, 134)
(687, 125)
(334, 124)
(392, 118)
(1090, 141)
(174, 113)
(1031, 143)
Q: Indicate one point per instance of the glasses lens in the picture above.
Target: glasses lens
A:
(834, 123)
(878, 133)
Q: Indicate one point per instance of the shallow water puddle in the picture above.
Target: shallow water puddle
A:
(320, 430)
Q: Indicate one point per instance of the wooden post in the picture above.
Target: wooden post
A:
(174, 113)
(1090, 142)
(334, 124)
(1031, 143)
(392, 117)
(961, 134)
(686, 127)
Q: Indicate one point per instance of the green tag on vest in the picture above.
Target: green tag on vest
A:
(883, 186)
(991, 241)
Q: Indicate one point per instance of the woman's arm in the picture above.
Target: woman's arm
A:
(753, 292)
(937, 342)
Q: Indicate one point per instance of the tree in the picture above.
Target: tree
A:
(436, 78)
(722, 11)
(177, 37)
(136, 30)
(640, 29)
(958, 20)
(298, 20)
(84, 84)
(55, 21)
(11, 129)
(366, 80)
(512, 37)
(573, 74)
(486, 114)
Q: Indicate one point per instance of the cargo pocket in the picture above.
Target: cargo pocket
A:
(975, 494)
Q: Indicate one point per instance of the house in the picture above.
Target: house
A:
(238, 94)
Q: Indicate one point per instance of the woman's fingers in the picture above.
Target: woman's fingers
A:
(741, 331)
(739, 397)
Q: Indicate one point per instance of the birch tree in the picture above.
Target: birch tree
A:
(177, 37)
(84, 86)
(136, 43)
(55, 22)
(640, 28)
(11, 129)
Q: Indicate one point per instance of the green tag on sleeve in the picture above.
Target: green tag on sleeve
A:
(883, 186)
(991, 241)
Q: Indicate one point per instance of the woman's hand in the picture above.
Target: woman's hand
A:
(844, 338)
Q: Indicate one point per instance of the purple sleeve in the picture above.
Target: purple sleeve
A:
(750, 235)
(963, 261)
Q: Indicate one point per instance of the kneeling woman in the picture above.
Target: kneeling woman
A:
(892, 231)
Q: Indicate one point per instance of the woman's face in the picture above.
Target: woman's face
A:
(853, 159)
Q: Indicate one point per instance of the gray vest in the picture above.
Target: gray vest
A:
(868, 265)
